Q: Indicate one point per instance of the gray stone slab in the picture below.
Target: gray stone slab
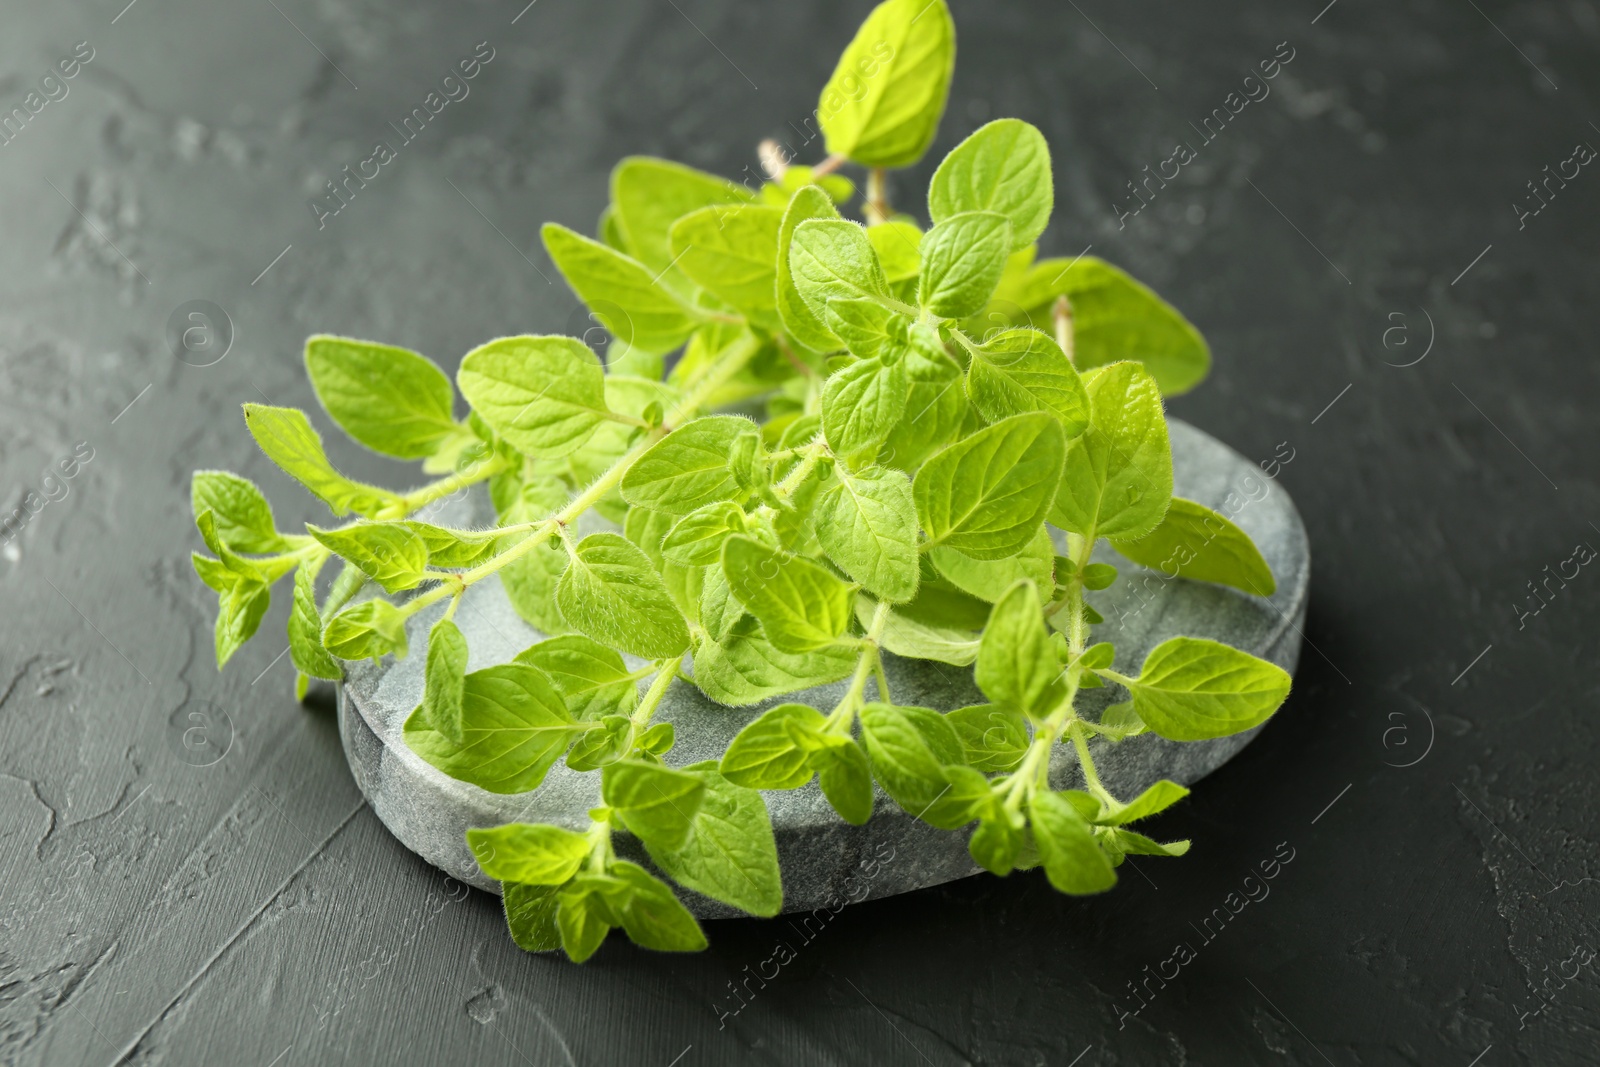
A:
(823, 858)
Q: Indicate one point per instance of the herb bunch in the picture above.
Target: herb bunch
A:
(921, 435)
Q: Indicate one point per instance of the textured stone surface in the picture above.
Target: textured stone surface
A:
(822, 855)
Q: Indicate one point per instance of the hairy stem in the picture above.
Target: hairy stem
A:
(666, 671)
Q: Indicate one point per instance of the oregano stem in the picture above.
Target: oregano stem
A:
(666, 671)
(480, 471)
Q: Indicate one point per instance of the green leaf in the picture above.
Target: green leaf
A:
(387, 552)
(846, 781)
(862, 403)
(1191, 689)
(799, 320)
(286, 436)
(531, 916)
(962, 260)
(305, 628)
(768, 754)
(599, 745)
(657, 804)
(936, 405)
(720, 610)
(868, 329)
(730, 854)
(910, 748)
(1024, 370)
(241, 512)
(530, 583)
(995, 846)
(867, 524)
(831, 259)
(1118, 476)
(514, 726)
(1195, 542)
(1004, 166)
(744, 667)
(1072, 859)
(1157, 798)
(1126, 841)
(987, 495)
(989, 579)
(801, 606)
(590, 677)
(445, 681)
(1114, 317)
(648, 195)
(390, 399)
(239, 613)
(882, 105)
(366, 630)
(696, 540)
(544, 395)
(652, 916)
(993, 738)
(460, 548)
(1099, 576)
(621, 292)
(918, 639)
(897, 242)
(732, 253)
(581, 918)
(1120, 721)
(1017, 664)
(611, 593)
(529, 853)
(688, 468)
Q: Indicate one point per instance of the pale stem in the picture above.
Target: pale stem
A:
(1062, 313)
(666, 671)
(877, 205)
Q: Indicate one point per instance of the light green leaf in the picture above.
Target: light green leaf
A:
(531, 916)
(581, 916)
(1122, 842)
(648, 195)
(239, 613)
(390, 399)
(882, 105)
(1072, 859)
(845, 777)
(1159, 797)
(897, 242)
(544, 395)
(801, 606)
(1120, 721)
(621, 292)
(1024, 370)
(1197, 543)
(460, 548)
(862, 403)
(720, 610)
(305, 628)
(366, 630)
(744, 667)
(730, 854)
(530, 583)
(1191, 689)
(910, 748)
(688, 468)
(962, 259)
(657, 804)
(387, 552)
(918, 639)
(529, 853)
(993, 738)
(989, 579)
(935, 406)
(831, 259)
(599, 745)
(868, 329)
(768, 754)
(1114, 317)
(995, 845)
(987, 494)
(590, 677)
(611, 593)
(286, 436)
(697, 538)
(1118, 476)
(445, 682)
(652, 916)
(514, 726)
(867, 524)
(799, 320)
(241, 512)
(1017, 665)
(1004, 166)
(732, 253)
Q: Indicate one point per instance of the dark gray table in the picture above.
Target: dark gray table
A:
(1353, 249)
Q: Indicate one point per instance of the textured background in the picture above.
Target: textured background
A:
(1432, 774)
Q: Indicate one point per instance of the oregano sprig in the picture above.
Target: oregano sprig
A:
(949, 427)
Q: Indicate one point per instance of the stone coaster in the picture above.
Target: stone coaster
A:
(825, 860)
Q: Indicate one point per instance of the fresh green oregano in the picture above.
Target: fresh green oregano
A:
(948, 428)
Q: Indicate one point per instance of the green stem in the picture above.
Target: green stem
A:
(479, 472)
(666, 671)
(1080, 740)
(808, 463)
(867, 665)
(599, 846)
